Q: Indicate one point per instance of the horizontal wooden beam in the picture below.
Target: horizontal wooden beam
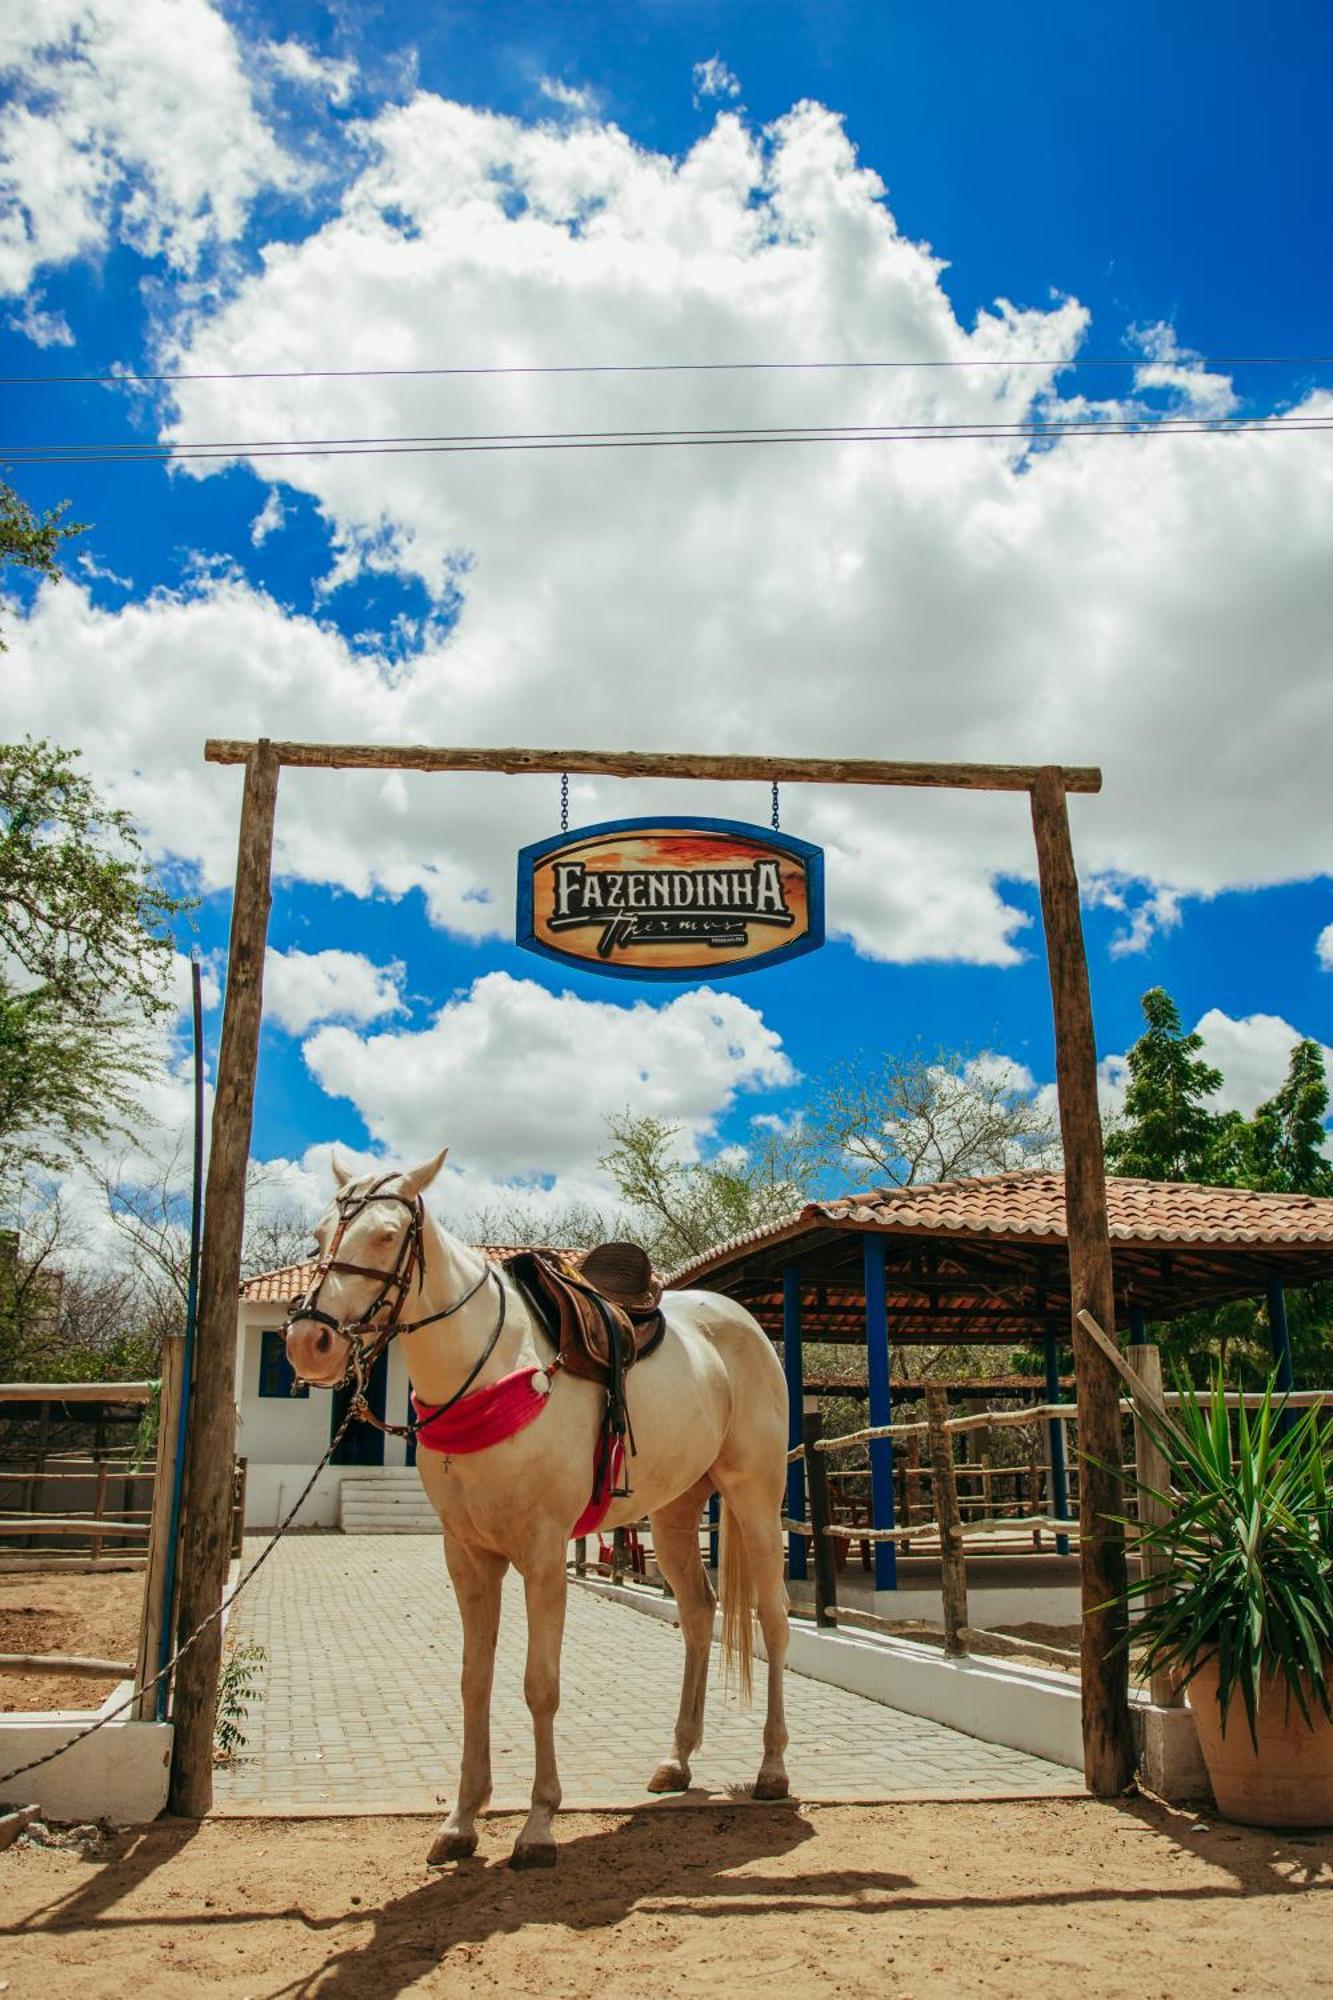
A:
(63, 1663)
(76, 1392)
(105, 1528)
(654, 764)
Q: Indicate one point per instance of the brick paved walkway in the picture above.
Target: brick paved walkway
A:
(358, 1706)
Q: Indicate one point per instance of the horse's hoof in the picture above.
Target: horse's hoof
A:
(535, 1854)
(771, 1788)
(669, 1777)
(451, 1847)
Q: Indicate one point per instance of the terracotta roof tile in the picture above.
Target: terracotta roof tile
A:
(1029, 1206)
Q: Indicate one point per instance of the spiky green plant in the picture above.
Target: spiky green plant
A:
(241, 1668)
(1246, 1551)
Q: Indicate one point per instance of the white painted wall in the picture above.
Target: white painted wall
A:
(284, 1437)
(120, 1774)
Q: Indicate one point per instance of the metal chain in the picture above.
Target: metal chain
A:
(133, 1696)
(775, 806)
(564, 802)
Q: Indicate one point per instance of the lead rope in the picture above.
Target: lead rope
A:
(36, 1763)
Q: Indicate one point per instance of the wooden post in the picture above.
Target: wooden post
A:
(944, 1482)
(826, 1565)
(99, 1505)
(1108, 1742)
(239, 1481)
(1151, 1466)
(211, 1431)
(156, 1611)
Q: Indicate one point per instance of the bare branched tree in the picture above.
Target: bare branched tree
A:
(904, 1119)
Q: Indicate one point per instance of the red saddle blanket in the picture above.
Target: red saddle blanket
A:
(501, 1410)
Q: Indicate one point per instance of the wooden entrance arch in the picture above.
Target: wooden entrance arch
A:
(1108, 1748)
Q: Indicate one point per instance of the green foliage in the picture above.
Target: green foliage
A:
(33, 541)
(87, 949)
(241, 1668)
(1247, 1552)
(1167, 1133)
(1288, 1133)
(682, 1207)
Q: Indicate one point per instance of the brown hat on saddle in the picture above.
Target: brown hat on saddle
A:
(623, 1273)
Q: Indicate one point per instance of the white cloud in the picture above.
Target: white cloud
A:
(713, 79)
(574, 97)
(128, 121)
(303, 987)
(326, 75)
(1200, 392)
(269, 519)
(182, 985)
(1324, 947)
(42, 327)
(1252, 1053)
(1156, 911)
(1092, 602)
(519, 1081)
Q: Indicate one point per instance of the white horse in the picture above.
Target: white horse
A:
(708, 1412)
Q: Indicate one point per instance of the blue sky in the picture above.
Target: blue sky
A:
(309, 188)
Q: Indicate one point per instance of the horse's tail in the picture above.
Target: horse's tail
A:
(738, 1602)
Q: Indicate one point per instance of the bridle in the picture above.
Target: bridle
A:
(369, 1336)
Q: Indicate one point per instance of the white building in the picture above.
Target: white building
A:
(283, 1435)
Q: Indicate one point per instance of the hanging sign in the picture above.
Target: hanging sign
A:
(671, 898)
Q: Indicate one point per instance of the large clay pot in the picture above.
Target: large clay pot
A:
(1289, 1781)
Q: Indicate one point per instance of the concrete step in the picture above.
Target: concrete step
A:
(386, 1502)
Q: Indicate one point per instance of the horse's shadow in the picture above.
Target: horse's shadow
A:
(692, 1859)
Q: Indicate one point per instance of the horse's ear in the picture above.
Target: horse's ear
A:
(342, 1176)
(416, 1179)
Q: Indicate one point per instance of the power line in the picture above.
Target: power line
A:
(130, 378)
(131, 453)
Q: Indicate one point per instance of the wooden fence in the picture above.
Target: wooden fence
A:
(945, 1532)
(137, 1535)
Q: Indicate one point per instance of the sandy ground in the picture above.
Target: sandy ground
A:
(1047, 1898)
(54, 1611)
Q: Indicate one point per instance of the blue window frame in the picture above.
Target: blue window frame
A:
(275, 1370)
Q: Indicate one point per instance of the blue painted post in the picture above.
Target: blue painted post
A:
(1059, 1470)
(1279, 1334)
(797, 1551)
(881, 1409)
(714, 1515)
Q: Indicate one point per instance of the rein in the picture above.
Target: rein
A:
(408, 1268)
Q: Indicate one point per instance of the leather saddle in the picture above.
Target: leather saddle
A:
(603, 1311)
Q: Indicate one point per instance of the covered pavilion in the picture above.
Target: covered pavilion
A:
(985, 1261)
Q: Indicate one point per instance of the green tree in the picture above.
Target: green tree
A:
(1167, 1132)
(680, 1208)
(1288, 1134)
(86, 950)
(33, 541)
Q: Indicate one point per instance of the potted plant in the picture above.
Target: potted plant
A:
(1238, 1605)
